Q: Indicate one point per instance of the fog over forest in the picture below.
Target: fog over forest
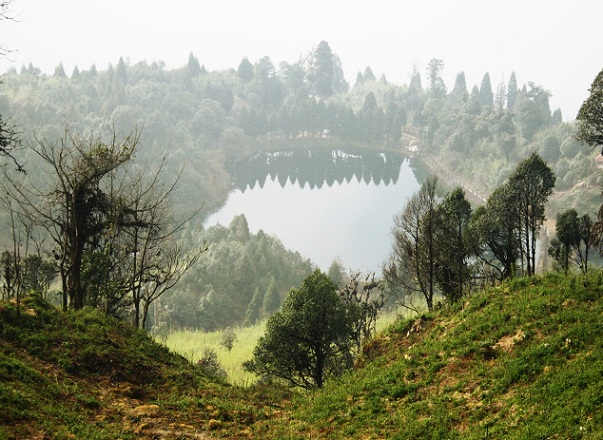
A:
(554, 43)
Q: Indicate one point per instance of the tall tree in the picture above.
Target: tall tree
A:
(436, 83)
(512, 92)
(585, 225)
(453, 251)
(529, 118)
(590, 115)
(532, 183)
(245, 71)
(495, 232)
(152, 261)
(567, 240)
(322, 70)
(79, 208)
(411, 266)
(460, 86)
(368, 75)
(89, 204)
(193, 67)
(121, 71)
(486, 96)
(364, 299)
(310, 339)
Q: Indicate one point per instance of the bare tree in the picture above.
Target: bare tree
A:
(154, 259)
(9, 135)
(411, 266)
(112, 228)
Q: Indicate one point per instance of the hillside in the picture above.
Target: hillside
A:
(522, 360)
(81, 375)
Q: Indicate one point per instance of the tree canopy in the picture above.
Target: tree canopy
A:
(310, 339)
(590, 115)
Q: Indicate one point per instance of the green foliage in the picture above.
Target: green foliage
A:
(310, 339)
(453, 248)
(210, 365)
(590, 116)
(228, 338)
(531, 184)
(241, 278)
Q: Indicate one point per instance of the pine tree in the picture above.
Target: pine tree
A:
(512, 92)
(486, 96)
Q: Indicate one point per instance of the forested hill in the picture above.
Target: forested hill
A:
(202, 119)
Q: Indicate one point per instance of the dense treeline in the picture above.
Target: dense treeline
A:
(192, 113)
(241, 279)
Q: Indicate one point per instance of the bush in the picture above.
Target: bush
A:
(210, 365)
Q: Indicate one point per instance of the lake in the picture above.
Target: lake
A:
(326, 205)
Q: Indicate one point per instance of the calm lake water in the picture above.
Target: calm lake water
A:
(325, 205)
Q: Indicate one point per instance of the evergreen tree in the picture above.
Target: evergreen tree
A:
(585, 226)
(272, 301)
(531, 183)
(121, 71)
(59, 72)
(474, 105)
(359, 78)
(529, 118)
(75, 74)
(495, 232)
(436, 83)
(321, 72)
(567, 239)
(193, 68)
(368, 75)
(245, 71)
(453, 251)
(340, 85)
(486, 96)
(370, 102)
(512, 92)
(335, 272)
(415, 81)
(254, 309)
(460, 86)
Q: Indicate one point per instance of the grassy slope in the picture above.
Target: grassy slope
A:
(81, 375)
(524, 360)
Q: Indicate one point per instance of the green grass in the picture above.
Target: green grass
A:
(192, 343)
(523, 360)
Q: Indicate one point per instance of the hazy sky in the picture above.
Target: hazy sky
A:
(556, 44)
